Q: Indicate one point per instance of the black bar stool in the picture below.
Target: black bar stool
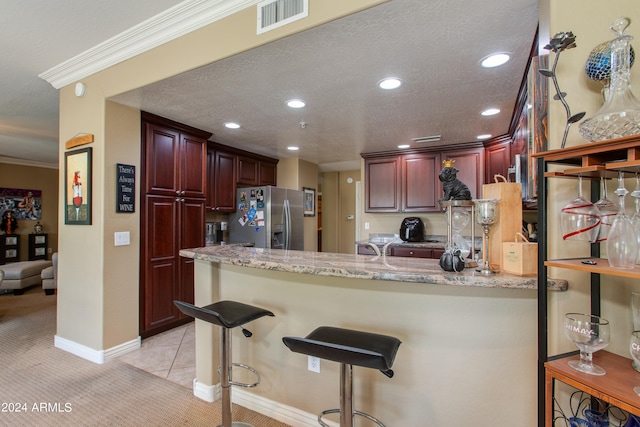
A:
(228, 314)
(348, 347)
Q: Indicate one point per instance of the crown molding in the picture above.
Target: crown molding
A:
(171, 24)
(26, 162)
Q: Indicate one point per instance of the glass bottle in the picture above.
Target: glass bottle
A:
(620, 114)
(622, 243)
(636, 217)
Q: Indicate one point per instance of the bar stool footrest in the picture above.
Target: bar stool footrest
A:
(247, 367)
(337, 411)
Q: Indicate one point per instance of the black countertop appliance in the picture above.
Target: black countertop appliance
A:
(412, 229)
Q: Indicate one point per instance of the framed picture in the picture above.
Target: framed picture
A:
(309, 201)
(77, 186)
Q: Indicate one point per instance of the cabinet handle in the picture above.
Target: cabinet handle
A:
(183, 192)
(410, 252)
(177, 192)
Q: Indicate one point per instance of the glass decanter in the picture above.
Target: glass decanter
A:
(620, 114)
(622, 243)
(635, 220)
(608, 211)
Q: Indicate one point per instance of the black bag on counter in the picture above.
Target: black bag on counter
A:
(452, 261)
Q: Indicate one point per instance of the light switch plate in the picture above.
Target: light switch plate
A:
(122, 238)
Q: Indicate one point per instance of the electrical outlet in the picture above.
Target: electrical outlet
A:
(314, 364)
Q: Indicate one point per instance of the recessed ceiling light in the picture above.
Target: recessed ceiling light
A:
(232, 125)
(403, 146)
(293, 148)
(390, 83)
(296, 103)
(484, 136)
(495, 60)
(490, 112)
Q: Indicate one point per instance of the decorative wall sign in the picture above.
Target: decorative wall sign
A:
(77, 186)
(126, 188)
(309, 201)
(24, 204)
(78, 140)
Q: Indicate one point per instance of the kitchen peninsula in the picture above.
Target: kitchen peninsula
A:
(469, 341)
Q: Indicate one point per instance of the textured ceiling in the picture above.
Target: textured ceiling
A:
(434, 47)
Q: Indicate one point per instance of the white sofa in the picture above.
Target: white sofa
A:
(21, 275)
(49, 276)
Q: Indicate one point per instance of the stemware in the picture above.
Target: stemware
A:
(635, 220)
(589, 333)
(486, 215)
(608, 211)
(622, 243)
(635, 319)
(580, 219)
(634, 348)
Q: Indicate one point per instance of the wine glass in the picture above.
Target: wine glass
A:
(635, 221)
(580, 219)
(634, 348)
(589, 333)
(486, 216)
(77, 202)
(607, 210)
(622, 243)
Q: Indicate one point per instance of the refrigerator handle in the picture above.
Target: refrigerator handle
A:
(287, 224)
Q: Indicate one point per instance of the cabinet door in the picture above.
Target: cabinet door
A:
(498, 160)
(382, 184)
(192, 166)
(224, 182)
(470, 164)
(161, 261)
(419, 182)
(162, 150)
(268, 174)
(248, 171)
(192, 231)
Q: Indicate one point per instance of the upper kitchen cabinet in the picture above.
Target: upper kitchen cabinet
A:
(409, 182)
(498, 158)
(229, 168)
(222, 178)
(175, 158)
(470, 164)
(401, 183)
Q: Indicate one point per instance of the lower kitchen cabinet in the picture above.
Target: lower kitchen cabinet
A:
(403, 251)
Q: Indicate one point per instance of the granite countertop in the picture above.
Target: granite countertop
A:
(399, 269)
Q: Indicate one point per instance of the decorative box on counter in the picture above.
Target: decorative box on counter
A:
(509, 217)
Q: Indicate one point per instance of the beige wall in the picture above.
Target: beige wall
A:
(34, 178)
(86, 281)
(468, 355)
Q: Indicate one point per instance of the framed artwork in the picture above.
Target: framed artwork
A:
(23, 204)
(309, 201)
(77, 187)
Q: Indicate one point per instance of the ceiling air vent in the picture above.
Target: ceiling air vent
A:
(276, 13)
(427, 139)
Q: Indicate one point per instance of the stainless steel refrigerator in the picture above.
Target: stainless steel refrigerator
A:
(268, 217)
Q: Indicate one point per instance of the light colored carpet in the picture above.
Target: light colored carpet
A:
(43, 386)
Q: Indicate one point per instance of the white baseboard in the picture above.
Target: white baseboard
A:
(93, 355)
(283, 413)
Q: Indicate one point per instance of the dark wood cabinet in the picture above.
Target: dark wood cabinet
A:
(248, 171)
(9, 248)
(498, 159)
(172, 218)
(420, 182)
(409, 182)
(222, 179)
(38, 246)
(175, 162)
(268, 173)
(382, 184)
(404, 251)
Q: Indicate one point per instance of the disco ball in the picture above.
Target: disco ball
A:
(598, 65)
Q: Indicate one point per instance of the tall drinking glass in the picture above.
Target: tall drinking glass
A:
(622, 243)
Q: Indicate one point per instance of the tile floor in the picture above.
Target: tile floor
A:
(170, 355)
